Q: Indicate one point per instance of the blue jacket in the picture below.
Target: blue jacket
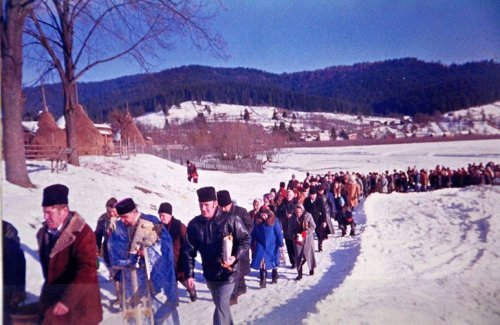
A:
(267, 239)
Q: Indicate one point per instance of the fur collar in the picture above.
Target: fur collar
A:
(68, 235)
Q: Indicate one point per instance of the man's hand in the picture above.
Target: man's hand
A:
(228, 264)
(60, 309)
(190, 283)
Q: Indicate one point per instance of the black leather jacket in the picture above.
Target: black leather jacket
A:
(206, 235)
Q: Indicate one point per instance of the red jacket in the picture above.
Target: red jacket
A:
(71, 274)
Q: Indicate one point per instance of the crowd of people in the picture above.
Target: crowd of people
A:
(147, 256)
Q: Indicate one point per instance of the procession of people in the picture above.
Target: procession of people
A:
(147, 256)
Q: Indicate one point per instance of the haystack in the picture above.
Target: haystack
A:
(90, 140)
(129, 131)
(48, 134)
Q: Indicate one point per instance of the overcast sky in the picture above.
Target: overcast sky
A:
(291, 35)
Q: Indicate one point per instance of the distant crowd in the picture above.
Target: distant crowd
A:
(147, 255)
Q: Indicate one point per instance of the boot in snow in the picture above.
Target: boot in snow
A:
(274, 276)
(263, 276)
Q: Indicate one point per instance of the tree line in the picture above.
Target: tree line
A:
(393, 87)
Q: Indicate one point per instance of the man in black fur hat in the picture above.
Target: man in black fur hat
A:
(67, 246)
(225, 202)
(208, 233)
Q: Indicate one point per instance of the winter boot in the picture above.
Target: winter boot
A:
(299, 277)
(353, 229)
(118, 289)
(263, 276)
(192, 295)
(311, 272)
(274, 276)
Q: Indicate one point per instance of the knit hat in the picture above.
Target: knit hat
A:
(165, 207)
(125, 206)
(55, 194)
(206, 194)
(223, 198)
(313, 190)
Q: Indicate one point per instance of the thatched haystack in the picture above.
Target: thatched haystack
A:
(90, 140)
(130, 134)
(48, 134)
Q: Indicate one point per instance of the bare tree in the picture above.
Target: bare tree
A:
(13, 15)
(77, 35)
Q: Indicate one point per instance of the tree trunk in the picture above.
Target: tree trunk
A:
(69, 113)
(12, 22)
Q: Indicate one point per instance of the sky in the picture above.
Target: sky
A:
(290, 35)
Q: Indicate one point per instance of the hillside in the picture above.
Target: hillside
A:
(403, 86)
(483, 120)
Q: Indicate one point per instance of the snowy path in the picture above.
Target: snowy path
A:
(425, 258)
(288, 301)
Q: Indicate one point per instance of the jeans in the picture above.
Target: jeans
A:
(221, 293)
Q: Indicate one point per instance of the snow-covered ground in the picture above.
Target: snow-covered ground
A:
(418, 257)
(476, 120)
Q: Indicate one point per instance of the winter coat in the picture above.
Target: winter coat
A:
(244, 262)
(206, 236)
(177, 231)
(70, 272)
(268, 238)
(352, 194)
(160, 256)
(318, 212)
(329, 207)
(14, 265)
(286, 208)
(297, 225)
(102, 233)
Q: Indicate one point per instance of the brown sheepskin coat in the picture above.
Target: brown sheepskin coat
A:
(70, 273)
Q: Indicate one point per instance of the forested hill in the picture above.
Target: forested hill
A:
(402, 86)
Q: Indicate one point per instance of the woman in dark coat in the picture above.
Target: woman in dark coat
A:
(302, 228)
(267, 238)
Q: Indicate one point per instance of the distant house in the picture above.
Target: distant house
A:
(324, 136)
(352, 136)
(105, 131)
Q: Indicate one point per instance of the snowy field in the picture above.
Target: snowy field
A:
(418, 258)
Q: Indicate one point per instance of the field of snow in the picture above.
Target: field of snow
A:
(418, 257)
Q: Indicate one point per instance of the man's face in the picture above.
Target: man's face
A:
(207, 209)
(129, 219)
(256, 205)
(290, 196)
(165, 218)
(313, 196)
(55, 215)
(298, 211)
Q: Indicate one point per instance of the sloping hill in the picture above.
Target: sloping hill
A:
(403, 86)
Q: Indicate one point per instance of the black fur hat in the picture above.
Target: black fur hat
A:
(206, 194)
(55, 194)
(125, 206)
(223, 198)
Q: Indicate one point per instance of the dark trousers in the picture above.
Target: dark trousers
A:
(290, 247)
